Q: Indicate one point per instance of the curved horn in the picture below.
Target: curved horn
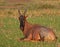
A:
(25, 12)
(19, 12)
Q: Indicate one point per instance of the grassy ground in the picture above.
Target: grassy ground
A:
(46, 13)
(10, 32)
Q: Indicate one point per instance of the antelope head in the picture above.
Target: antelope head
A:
(22, 19)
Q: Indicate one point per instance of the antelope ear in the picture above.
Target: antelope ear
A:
(26, 17)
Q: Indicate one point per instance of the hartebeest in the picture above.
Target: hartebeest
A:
(34, 31)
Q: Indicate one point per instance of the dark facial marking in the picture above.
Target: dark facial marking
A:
(22, 22)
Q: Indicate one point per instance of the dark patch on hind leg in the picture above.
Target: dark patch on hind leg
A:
(42, 38)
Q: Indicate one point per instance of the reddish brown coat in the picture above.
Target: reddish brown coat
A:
(34, 31)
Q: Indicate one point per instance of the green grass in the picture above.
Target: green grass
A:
(10, 32)
(46, 13)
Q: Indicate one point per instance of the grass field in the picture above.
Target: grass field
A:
(46, 13)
